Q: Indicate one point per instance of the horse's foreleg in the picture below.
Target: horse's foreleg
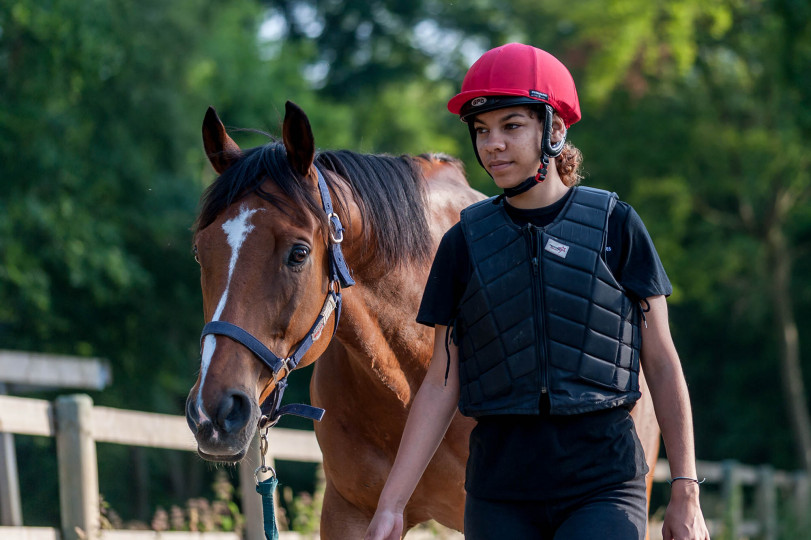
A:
(340, 520)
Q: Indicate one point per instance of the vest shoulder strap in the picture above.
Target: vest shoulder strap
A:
(486, 219)
(584, 220)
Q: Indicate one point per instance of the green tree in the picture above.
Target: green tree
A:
(727, 100)
(102, 165)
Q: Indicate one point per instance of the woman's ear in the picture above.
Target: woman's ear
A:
(558, 129)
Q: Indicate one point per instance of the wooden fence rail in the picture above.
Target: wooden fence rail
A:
(77, 425)
(762, 521)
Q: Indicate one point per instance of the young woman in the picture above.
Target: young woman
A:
(544, 301)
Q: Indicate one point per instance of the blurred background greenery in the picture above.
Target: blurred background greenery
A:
(697, 112)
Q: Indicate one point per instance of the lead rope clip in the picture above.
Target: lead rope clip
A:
(265, 489)
(263, 450)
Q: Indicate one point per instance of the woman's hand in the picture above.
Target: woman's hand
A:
(683, 518)
(385, 525)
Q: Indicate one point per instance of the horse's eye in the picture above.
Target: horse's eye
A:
(298, 255)
(194, 252)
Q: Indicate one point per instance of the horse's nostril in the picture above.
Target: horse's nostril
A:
(191, 416)
(234, 412)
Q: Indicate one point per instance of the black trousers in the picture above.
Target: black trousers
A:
(616, 513)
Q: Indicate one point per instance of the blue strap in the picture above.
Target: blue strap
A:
(272, 406)
(241, 336)
(302, 410)
(305, 344)
(267, 356)
(265, 488)
(338, 267)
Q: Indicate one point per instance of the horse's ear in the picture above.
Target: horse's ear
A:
(298, 138)
(221, 149)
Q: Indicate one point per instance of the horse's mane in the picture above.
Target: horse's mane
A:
(388, 190)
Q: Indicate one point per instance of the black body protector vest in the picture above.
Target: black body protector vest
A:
(542, 314)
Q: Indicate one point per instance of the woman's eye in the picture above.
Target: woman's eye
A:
(298, 255)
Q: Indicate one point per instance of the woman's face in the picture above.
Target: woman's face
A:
(509, 144)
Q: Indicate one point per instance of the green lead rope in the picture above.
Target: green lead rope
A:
(265, 488)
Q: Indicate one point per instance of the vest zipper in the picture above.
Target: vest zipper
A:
(537, 299)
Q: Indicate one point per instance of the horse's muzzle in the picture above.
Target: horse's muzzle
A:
(227, 434)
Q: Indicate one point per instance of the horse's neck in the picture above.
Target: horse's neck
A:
(383, 341)
(385, 344)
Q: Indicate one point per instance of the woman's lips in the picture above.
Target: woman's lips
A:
(499, 165)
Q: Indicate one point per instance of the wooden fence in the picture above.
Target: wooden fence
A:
(28, 369)
(78, 425)
(735, 518)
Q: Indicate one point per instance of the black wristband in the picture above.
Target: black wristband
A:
(696, 480)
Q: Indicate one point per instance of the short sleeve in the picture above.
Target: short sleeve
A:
(631, 255)
(447, 281)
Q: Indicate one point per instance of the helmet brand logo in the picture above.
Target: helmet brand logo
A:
(478, 102)
(538, 95)
(561, 250)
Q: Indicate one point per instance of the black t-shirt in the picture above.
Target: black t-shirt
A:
(548, 457)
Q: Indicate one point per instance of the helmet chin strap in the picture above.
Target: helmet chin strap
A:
(549, 151)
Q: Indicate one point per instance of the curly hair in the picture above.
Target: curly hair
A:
(568, 164)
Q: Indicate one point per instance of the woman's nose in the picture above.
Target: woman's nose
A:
(493, 142)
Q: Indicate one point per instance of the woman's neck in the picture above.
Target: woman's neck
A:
(543, 194)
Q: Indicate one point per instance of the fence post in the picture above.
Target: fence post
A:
(251, 500)
(801, 500)
(10, 507)
(766, 499)
(78, 467)
(732, 493)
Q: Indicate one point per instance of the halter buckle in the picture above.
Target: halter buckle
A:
(335, 228)
(286, 367)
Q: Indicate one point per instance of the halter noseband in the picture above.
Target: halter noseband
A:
(339, 277)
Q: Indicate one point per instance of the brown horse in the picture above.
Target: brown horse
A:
(263, 243)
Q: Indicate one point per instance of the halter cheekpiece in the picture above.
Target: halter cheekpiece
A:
(340, 277)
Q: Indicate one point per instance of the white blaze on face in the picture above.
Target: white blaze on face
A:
(236, 231)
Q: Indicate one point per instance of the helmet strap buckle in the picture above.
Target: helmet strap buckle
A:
(540, 176)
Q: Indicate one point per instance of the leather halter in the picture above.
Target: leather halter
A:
(281, 368)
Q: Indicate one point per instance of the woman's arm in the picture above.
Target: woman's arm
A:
(683, 518)
(428, 420)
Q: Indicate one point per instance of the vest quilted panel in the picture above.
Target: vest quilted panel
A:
(563, 325)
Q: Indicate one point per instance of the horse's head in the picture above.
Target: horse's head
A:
(262, 242)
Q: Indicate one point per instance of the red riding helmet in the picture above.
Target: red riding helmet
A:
(517, 74)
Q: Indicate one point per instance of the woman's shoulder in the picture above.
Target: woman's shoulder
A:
(625, 216)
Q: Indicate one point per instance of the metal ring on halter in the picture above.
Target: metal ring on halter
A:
(266, 423)
(332, 230)
(263, 469)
